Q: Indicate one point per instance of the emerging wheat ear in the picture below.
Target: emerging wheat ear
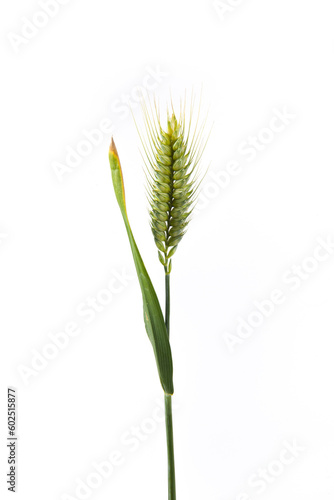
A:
(172, 159)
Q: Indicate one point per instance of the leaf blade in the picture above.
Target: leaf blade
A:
(153, 317)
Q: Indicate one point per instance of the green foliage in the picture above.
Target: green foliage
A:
(153, 317)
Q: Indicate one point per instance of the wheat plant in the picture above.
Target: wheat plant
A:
(172, 155)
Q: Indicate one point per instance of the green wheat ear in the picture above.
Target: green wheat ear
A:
(172, 158)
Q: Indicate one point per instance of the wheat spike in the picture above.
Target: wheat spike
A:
(172, 158)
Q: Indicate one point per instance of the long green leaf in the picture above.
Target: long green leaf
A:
(153, 317)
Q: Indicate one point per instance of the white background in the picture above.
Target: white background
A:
(62, 238)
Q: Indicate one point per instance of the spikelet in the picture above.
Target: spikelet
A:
(172, 158)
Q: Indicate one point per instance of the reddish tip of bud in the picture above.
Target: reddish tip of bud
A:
(112, 147)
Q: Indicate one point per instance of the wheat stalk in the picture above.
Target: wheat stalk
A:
(172, 157)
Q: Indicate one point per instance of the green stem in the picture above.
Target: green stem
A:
(167, 292)
(170, 447)
(168, 409)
